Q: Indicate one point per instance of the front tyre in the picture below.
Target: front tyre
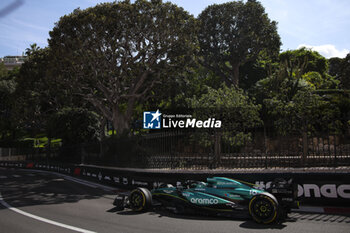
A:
(264, 208)
(140, 199)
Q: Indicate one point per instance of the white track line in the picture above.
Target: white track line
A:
(4, 203)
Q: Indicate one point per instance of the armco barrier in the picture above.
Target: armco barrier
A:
(314, 188)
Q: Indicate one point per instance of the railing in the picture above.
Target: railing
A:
(171, 151)
(184, 149)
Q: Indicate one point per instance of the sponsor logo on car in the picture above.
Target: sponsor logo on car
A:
(199, 189)
(224, 183)
(186, 194)
(205, 201)
(168, 191)
(231, 195)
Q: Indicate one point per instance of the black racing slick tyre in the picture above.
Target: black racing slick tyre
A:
(264, 208)
(140, 199)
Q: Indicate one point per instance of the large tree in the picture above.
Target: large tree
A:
(7, 88)
(233, 33)
(340, 69)
(114, 53)
(306, 59)
(291, 102)
(233, 107)
(34, 99)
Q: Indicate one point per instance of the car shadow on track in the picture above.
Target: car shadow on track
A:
(247, 222)
(45, 189)
(250, 224)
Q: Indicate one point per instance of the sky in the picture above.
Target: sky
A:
(322, 25)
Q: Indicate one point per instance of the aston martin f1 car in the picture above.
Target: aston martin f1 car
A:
(217, 195)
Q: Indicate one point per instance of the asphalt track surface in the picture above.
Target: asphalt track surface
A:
(33, 201)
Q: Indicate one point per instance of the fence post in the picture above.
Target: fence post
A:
(265, 146)
(217, 148)
(335, 150)
(82, 153)
(171, 145)
(305, 148)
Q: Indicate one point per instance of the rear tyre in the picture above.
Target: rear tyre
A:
(140, 199)
(264, 208)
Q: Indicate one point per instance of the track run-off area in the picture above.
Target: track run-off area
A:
(34, 201)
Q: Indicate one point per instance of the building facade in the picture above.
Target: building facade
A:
(11, 62)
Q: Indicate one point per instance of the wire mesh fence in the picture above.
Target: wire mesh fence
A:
(198, 149)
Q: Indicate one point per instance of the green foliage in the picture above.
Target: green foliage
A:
(250, 73)
(113, 54)
(233, 107)
(334, 66)
(7, 88)
(340, 69)
(115, 60)
(303, 113)
(234, 33)
(7, 83)
(316, 81)
(3, 70)
(74, 125)
(291, 101)
(193, 82)
(39, 99)
(42, 142)
(306, 59)
(33, 93)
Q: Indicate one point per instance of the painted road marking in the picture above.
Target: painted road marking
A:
(4, 203)
(3, 177)
(16, 176)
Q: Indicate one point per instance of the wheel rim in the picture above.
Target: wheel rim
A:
(137, 200)
(263, 209)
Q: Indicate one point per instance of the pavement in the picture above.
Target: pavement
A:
(32, 201)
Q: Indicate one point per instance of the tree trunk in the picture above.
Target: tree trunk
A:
(121, 122)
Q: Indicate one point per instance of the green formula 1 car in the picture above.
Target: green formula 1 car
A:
(217, 195)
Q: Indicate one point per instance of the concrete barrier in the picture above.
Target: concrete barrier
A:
(321, 188)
